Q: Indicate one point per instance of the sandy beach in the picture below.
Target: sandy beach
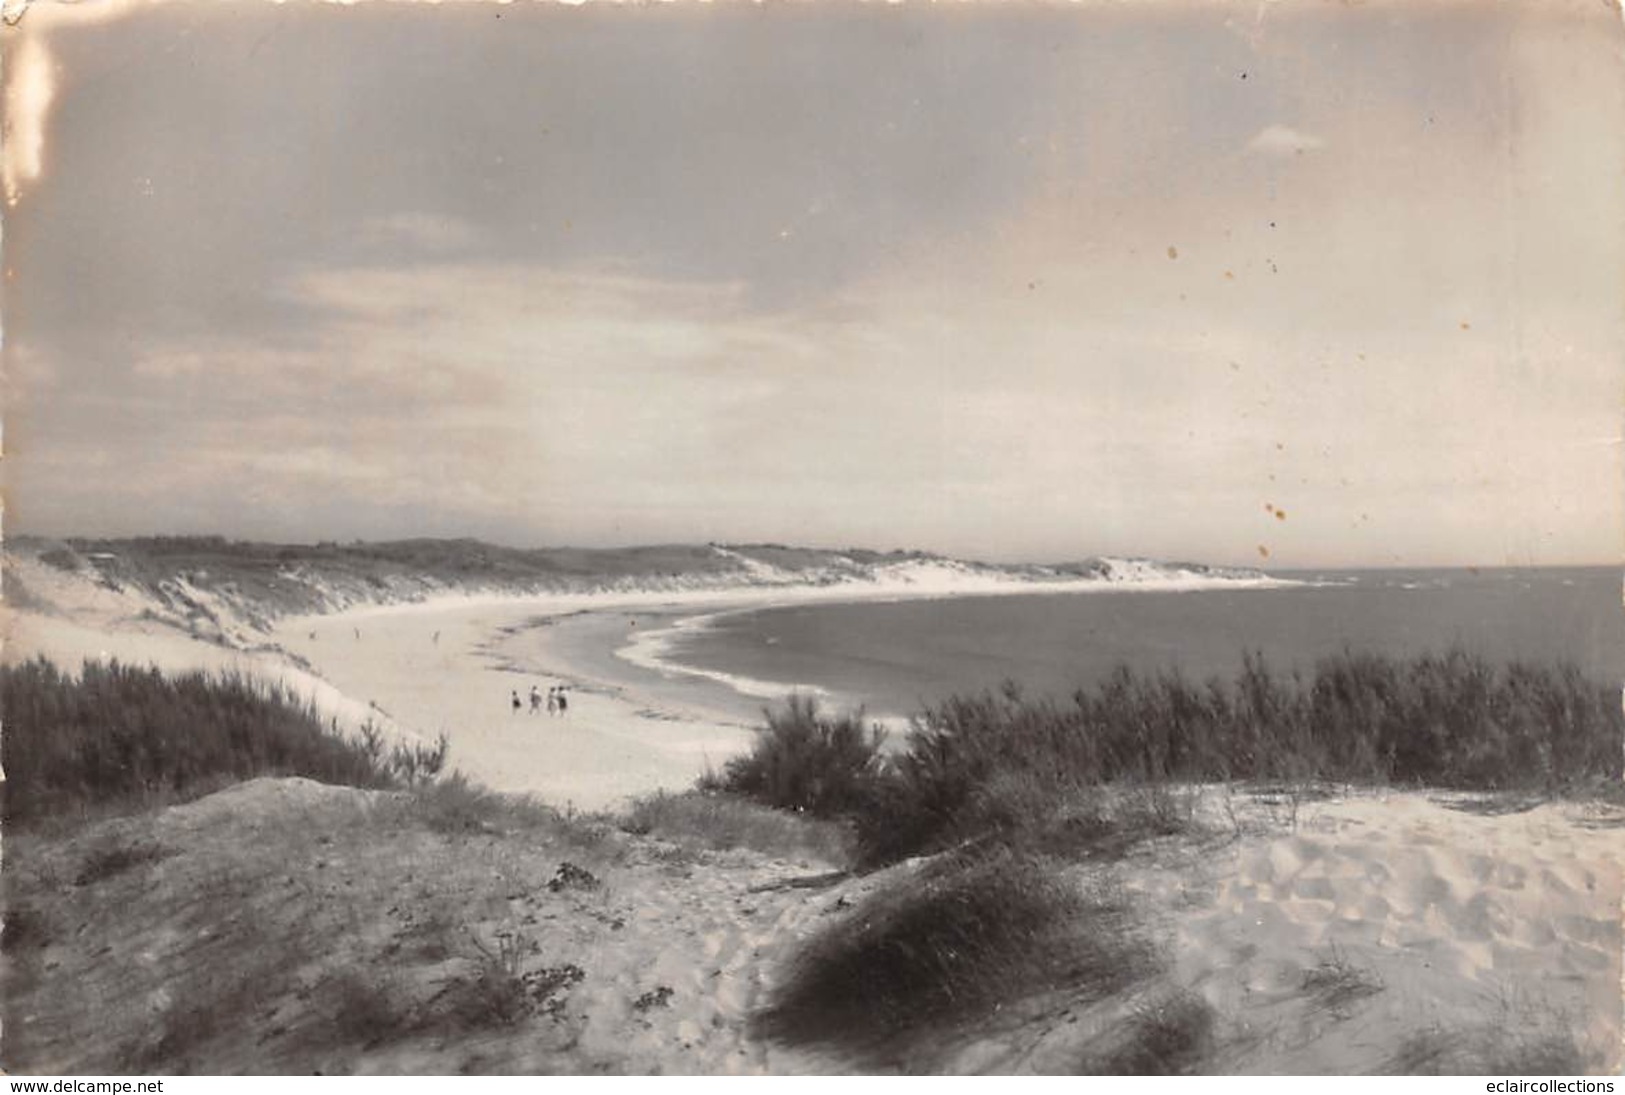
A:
(636, 723)
(1355, 931)
(434, 669)
(449, 664)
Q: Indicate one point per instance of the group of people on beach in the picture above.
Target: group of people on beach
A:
(557, 703)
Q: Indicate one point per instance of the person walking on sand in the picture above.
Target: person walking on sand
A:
(564, 704)
(516, 704)
(552, 701)
(535, 700)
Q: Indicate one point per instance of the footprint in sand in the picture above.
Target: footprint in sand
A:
(1589, 931)
(1482, 918)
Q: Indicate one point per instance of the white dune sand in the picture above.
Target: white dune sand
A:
(1450, 928)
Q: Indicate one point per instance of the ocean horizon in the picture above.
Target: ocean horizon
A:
(892, 658)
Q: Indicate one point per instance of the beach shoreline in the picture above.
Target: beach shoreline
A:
(635, 725)
(1449, 918)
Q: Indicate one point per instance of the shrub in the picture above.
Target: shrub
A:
(415, 765)
(118, 732)
(1002, 764)
(498, 993)
(501, 991)
(961, 938)
(571, 877)
(805, 760)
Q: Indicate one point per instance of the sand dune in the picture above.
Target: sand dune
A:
(1355, 933)
(1412, 917)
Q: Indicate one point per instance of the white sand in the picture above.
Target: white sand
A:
(1466, 922)
(608, 745)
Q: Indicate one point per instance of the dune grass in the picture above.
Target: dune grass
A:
(455, 804)
(1031, 769)
(1170, 1035)
(954, 942)
(1497, 1049)
(117, 733)
(708, 821)
(1335, 982)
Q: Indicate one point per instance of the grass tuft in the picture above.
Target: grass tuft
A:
(1335, 982)
(721, 822)
(109, 859)
(1545, 1048)
(956, 941)
(457, 805)
(1170, 1036)
(362, 1009)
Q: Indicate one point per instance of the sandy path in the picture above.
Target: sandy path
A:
(715, 939)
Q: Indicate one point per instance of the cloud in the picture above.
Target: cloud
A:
(1280, 140)
(424, 232)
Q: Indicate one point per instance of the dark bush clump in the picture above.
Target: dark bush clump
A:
(1167, 1037)
(963, 937)
(118, 732)
(1034, 772)
(805, 760)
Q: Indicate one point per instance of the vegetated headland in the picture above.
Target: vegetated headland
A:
(1383, 865)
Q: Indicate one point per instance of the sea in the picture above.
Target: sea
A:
(893, 658)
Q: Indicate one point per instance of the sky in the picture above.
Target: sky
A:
(1286, 283)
